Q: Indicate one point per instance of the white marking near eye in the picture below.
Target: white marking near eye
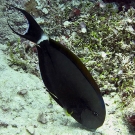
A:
(43, 37)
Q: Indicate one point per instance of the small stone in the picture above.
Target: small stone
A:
(50, 105)
(130, 29)
(42, 119)
(103, 54)
(14, 125)
(66, 23)
(83, 30)
(37, 131)
(22, 92)
(129, 20)
(5, 108)
(3, 124)
(45, 11)
(30, 130)
(120, 72)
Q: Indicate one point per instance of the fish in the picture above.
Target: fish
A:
(66, 78)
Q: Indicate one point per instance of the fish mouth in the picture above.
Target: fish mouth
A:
(91, 119)
(86, 116)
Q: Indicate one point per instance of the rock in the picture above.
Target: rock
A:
(3, 124)
(42, 118)
(30, 130)
(83, 30)
(66, 23)
(22, 92)
(45, 11)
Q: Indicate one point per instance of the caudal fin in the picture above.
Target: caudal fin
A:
(34, 32)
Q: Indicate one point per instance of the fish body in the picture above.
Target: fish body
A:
(68, 81)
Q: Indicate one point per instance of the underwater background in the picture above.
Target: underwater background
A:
(100, 33)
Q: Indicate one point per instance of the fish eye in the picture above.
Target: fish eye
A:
(95, 113)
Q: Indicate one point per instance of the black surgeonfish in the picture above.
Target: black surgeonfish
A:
(66, 78)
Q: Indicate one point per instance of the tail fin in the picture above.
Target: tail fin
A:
(34, 32)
